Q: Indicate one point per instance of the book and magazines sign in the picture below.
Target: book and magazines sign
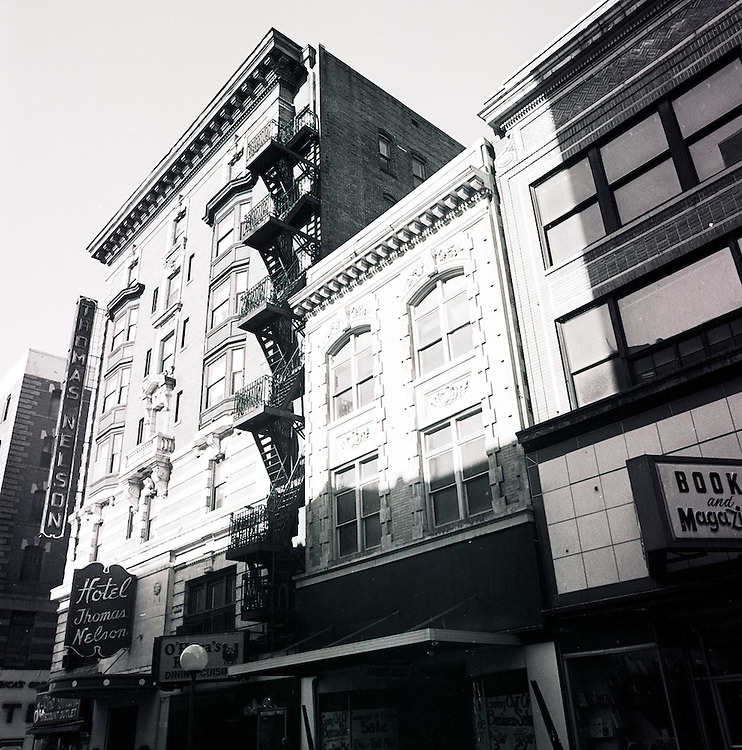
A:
(101, 609)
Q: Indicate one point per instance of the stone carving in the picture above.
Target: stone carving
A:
(448, 394)
(354, 438)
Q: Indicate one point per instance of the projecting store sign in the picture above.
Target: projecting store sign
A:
(101, 611)
(223, 649)
(688, 502)
(69, 425)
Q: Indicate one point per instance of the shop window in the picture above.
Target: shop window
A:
(357, 506)
(351, 375)
(684, 140)
(457, 469)
(619, 699)
(31, 563)
(124, 328)
(210, 603)
(116, 389)
(647, 333)
(441, 324)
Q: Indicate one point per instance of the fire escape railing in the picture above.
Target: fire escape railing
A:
(279, 207)
(281, 132)
(273, 291)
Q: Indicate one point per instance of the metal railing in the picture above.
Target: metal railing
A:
(279, 207)
(274, 291)
(281, 132)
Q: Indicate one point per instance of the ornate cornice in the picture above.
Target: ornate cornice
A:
(276, 60)
(391, 242)
(125, 295)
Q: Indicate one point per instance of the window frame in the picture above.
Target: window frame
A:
(227, 379)
(676, 153)
(124, 328)
(671, 354)
(116, 387)
(460, 481)
(198, 616)
(358, 379)
(166, 358)
(385, 143)
(235, 283)
(418, 161)
(419, 341)
(363, 517)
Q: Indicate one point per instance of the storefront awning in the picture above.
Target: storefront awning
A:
(99, 685)
(62, 728)
(305, 661)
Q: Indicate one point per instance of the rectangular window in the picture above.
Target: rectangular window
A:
(385, 152)
(173, 289)
(108, 456)
(116, 389)
(167, 353)
(216, 378)
(357, 507)
(685, 140)
(224, 234)
(351, 375)
(140, 431)
(183, 333)
(218, 484)
(457, 469)
(178, 403)
(31, 565)
(147, 362)
(189, 267)
(238, 370)
(18, 641)
(647, 333)
(419, 170)
(226, 298)
(124, 328)
(219, 304)
(155, 295)
(210, 602)
(130, 523)
(179, 226)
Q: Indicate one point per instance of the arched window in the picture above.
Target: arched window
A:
(441, 324)
(351, 375)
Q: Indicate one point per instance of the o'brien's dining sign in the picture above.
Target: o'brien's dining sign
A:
(101, 610)
(698, 501)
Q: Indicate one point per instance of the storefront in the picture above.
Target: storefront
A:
(61, 723)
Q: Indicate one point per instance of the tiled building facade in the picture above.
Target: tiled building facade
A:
(618, 163)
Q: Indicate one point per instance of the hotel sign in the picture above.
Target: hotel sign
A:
(688, 502)
(70, 426)
(101, 610)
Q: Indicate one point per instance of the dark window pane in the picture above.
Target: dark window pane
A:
(372, 532)
(646, 191)
(575, 233)
(478, 495)
(346, 506)
(347, 539)
(445, 506)
(566, 189)
(370, 499)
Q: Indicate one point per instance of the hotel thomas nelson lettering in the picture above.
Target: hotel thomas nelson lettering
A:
(101, 610)
(61, 473)
(703, 501)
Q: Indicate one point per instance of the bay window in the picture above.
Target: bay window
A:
(116, 389)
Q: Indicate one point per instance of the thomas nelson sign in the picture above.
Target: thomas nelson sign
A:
(101, 610)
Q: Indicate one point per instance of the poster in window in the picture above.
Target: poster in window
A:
(335, 730)
(504, 722)
(374, 729)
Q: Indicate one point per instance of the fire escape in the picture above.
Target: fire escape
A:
(285, 229)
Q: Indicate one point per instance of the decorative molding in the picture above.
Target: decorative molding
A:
(132, 292)
(448, 394)
(354, 438)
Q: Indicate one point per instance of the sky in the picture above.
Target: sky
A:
(93, 93)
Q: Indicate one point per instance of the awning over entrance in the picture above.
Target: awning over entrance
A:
(307, 661)
(99, 685)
